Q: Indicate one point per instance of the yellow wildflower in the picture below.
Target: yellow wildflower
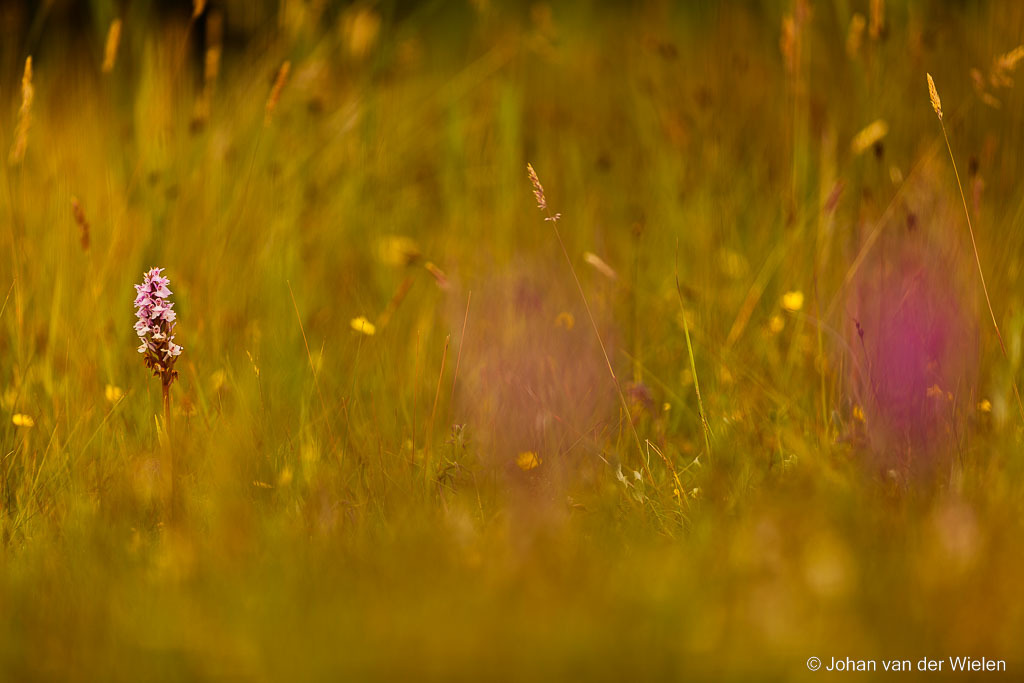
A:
(361, 324)
(21, 420)
(528, 460)
(793, 301)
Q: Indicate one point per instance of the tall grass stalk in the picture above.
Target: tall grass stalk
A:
(553, 218)
(705, 427)
(462, 343)
(312, 366)
(433, 410)
(165, 386)
(933, 94)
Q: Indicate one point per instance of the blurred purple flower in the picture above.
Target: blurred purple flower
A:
(155, 325)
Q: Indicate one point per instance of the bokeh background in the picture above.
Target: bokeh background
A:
(466, 492)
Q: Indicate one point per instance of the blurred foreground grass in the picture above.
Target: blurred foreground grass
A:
(347, 514)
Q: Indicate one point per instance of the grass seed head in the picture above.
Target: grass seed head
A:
(877, 27)
(28, 94)
(275, 92)
(855, 36)
(868, 136)
(211, 67)
(538, 189)
(110, 51)
(1003, 67)
(934, 95)
(538, 192)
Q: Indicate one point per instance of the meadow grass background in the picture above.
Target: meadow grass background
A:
(345, 513)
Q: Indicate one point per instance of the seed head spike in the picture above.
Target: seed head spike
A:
(934, 95)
